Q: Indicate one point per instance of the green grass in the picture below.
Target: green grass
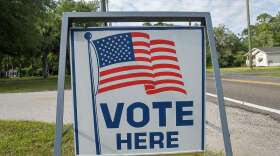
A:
(30, 84)
(37, 138)
(31, 138)
(211, 153)
(260, 71)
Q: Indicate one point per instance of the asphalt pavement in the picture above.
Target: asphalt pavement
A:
(263, 91)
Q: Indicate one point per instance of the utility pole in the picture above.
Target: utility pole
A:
(104, 4)
(249, 35)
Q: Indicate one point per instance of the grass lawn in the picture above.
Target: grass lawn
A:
(260, 71)
(31, 138)
(30, 84)
(37, 138)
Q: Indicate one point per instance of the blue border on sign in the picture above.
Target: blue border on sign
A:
(94, 107)
(136, 28)
(73, 73)
(203, 87)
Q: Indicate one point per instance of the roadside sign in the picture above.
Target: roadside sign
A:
(138, 90)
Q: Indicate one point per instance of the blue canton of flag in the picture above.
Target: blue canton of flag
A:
(114, 49)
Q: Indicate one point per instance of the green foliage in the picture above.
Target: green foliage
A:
(27, 71)
(239, 59)
(229, 47)
(53, 63)
(18, 26)
(30, 30)
(266, 32)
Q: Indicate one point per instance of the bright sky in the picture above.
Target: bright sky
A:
(231, 13)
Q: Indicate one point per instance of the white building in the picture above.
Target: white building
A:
(264, 57)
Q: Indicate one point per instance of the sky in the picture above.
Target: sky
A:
(231, 13)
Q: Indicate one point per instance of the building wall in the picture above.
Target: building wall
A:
(273, 59)
(261, 59)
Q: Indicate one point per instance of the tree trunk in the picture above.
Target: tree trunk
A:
(67, 64)
(45, 68)
(20, 69)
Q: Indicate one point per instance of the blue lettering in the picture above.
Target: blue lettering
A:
(162, 106)
(180, 113)
(107, 117)
(168, 139)
(171, 138)
(156, 141)
(124, 141)
(141, 119)
(145, 114)
(138, 141)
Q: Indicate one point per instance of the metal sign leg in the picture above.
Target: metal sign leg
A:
(219, 89)
(60, 89)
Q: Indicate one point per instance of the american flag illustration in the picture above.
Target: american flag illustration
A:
(133, 58)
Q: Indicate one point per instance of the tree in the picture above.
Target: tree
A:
(51, 28)
(275, 26)
(49, 32)
(55, 22)
(28, 35)
(228, 45)
(265, 33)
(20, 37)
(17, 26)
(264, 18)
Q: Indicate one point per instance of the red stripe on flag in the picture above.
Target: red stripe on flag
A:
(172, 66)
(141, 43)
(124, 68)
(140, 34)
(126, 76)
(162, 50)
(162, 41)
(125, 84)
(164, 89)
(142, 51)
(154, 58)
(169, 81)
(145, 59)
(149, 86)
(133, 67)
(167, 74)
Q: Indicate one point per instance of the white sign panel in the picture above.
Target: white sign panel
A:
(138, 90)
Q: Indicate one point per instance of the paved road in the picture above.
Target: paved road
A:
(262, 91)
(39, 106)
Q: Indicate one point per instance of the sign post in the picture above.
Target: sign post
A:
(138, 90)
